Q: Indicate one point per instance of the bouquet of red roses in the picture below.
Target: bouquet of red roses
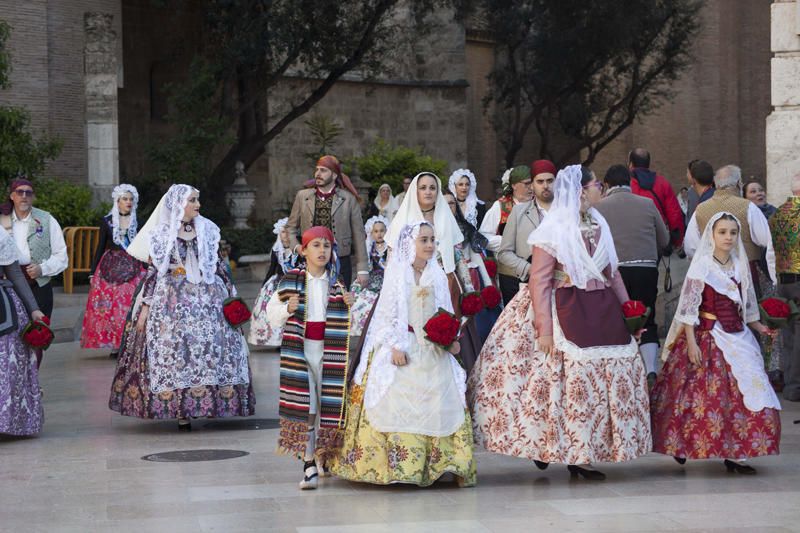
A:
(471, 303)
(491, 297)
(491, 267)
(235, 311)
(37, 334)
(636, 315)
(776, 312)
(442, 328)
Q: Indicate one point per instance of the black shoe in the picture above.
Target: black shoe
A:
(591, 475)
(541, 465)
(113, 355)
(184, 425)
(651, 380)
(680, 460)
(739, 468)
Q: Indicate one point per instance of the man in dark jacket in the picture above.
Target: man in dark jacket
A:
(649, 184)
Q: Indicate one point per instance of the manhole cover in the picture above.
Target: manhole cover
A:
(189, 456)
(245, 423)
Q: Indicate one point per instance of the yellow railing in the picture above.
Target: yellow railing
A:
(81, 242)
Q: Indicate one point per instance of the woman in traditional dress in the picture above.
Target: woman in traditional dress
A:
(115, 274)
(424, 201)
(365, 297)
(385, 203)
(560, 380)
(179, 357)
(21, 410)
(407, 420)
(464, 186)
(282, 260)
(713, 399)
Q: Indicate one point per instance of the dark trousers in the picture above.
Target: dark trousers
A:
(642, 284)
(346, 266)
(509, 287)
(44, 297)
(790, 359)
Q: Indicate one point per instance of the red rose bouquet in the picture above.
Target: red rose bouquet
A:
(442, 328)
(37, 334)
(777, 313)
(636, 315)
(471, 304)
(491, 267)
(491, 297)
(235, 311)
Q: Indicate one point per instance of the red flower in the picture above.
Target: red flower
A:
(235, 311)
(776, 308)
(471, 304)
(491, 267)
(442, 328)
(37, 334)
(491, 297)
(633, 308)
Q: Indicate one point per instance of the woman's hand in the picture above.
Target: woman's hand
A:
(693, 351)
(37, 316)
(141, 323)
(399, 358)
(349, 299)
(638, 334)
(454, 348)
(761, 329)
(546, 344)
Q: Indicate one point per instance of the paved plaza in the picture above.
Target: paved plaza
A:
(85, 473)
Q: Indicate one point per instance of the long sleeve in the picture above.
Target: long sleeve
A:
(224, 275)
(662, 233)
(57, 262)
(489, 227)
(293, 224)
(359, 238)
(674, 213)
(692, 239)
(149, 284)
(618, 286)
(762, 236)
(540, 286)
(506, 252)
(101, 246)
(14, 273)
(277, 311)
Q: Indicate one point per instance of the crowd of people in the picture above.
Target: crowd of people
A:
(441, 325)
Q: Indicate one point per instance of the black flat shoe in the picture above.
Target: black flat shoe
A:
(184, 425)
(591, 475)
(541, 465)
(680, 460)
(739, 468)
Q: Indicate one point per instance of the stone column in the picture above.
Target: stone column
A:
(783, 124)
(100, 86)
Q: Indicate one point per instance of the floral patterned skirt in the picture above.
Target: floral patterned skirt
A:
(261, 332)
(21, 410)
(108, 305)
(699, 413)
(131, 394)
(554, 408)
(370, 456)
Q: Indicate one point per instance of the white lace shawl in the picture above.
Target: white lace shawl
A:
(8, 249)
(560, 235)
(276, 229)
(391, 205)
(116, 194)
(471, 203)
(389, 327)
(705, 270)
(448, 235)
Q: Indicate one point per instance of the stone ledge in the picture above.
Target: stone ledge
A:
(784, 31)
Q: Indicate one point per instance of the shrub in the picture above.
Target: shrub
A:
(384, 163)
(256, 240)
(70, 204)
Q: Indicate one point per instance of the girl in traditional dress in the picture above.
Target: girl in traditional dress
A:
(566, 383)
(179, 356)
(282, 260)
(115, 274)
(407, 420)
(312, 306)
(21, 410)
(365, 297)
(385, 204)
(464, 186)
(713, 399)
(424, 201)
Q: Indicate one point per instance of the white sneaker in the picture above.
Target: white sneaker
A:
(323, 470)
(310, 476)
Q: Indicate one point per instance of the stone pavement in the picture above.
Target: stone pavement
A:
(85, 473)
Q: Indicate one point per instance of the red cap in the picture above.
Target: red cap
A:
(317, 232)
(542, 166)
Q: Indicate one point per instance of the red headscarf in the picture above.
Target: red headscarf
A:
(542, 166)
(8, 206)
(317, 232)
(332, 164)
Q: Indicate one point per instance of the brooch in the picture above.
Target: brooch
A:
(180, 271)
(39, 229)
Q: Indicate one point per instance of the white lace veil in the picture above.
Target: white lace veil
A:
(116, 194)
(472, 201)
(559, 234)
(158, 236)
(704, 269)
(368, 228)
(391, 206)
(276, 229)
(389, 327)
(8, 248)
(448, 235)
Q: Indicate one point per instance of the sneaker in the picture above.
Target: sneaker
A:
(310, 476)
(323, 469)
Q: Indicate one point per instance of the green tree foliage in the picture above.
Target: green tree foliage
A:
(581, 72)
(384, 163)
(69, 203)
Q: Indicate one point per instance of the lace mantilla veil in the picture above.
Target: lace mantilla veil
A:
(368, 229)
(389, 328)
(276, 229)
(116, 194)
(704, 269)
(472, 201)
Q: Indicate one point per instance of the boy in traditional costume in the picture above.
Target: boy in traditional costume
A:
(313, 307)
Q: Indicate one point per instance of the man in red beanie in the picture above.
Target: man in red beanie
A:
(514, 254)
